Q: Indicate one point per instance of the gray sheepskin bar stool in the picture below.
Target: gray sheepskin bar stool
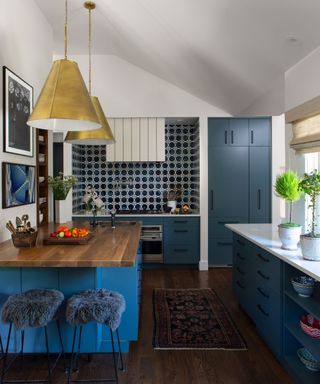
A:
(35, 308)
(3, 299)
(101, 306)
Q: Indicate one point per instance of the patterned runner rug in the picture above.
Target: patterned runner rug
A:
(193, 319)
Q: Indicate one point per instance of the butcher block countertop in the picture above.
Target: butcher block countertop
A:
(107, 248)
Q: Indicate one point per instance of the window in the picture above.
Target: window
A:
(312, 161)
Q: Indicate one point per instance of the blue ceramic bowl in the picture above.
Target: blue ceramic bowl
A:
(303, 285)
(308, 360)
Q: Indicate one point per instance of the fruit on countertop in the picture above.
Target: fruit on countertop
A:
(64, 231)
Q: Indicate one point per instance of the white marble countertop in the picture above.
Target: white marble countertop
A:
(266, 237)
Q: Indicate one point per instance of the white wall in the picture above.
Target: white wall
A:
(125, 90)
(302, 81)
(26, 48)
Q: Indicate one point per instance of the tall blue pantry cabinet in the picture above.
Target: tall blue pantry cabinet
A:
(239, 179)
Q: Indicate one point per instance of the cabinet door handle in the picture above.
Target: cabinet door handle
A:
(265, 259)
(262, 293)
(211, 194)
(180, 230)
(262, 310)
(180, 221)
(240, 257)
(240, 285)
(263, 275)
(226, 137)
(180, 250)
(228, 222)
(240, 271)
(241, 242)
(251, 137)
(259, 199)
(224, 243)
(232, 137)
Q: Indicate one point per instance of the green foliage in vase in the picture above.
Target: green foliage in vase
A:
(310, 185)
(287, 187)
(61, 185)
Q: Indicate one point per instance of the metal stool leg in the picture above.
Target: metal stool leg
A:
(114, 358)
(48, 355)
(22, 349)
(1, 347)
(76, 368)
(119, 352)
(72, 353)
(61, 345)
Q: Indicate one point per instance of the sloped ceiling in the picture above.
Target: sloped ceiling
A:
(225, 52)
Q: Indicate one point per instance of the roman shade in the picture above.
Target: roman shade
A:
(306, 135)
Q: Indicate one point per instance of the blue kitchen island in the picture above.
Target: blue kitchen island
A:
(111, 259)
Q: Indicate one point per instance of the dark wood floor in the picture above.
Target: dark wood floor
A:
(146, 366)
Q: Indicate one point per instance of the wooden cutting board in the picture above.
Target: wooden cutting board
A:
(68, 240)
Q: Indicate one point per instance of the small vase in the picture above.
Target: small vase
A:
(60, 212)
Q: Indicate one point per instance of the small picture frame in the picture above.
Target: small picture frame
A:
(17, 106)
(18, 184)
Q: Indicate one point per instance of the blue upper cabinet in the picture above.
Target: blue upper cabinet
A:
(228, 132)
(239, 178)
(260, 131)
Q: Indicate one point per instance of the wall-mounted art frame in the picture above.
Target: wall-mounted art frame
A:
(17, 106)
(18, 184)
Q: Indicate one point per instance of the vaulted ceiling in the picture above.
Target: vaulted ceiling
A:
(226, 52)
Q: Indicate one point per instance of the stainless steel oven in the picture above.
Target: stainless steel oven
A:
(152, 250)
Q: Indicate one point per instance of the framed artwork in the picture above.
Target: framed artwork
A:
(18, 104)
(18, 184)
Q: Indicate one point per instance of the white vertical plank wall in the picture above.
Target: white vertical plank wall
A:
(127, 139)
(118, 130)
(135, 139)
(144, 140)
(111, 147)
(161, 139)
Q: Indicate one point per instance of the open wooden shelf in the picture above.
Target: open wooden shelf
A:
(42, 171)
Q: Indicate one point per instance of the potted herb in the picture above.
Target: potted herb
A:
(310, 242)
(61, 185)
(172, 196)
(287, 187)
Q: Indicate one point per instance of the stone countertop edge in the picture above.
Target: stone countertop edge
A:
(266, 237)
(139, 215)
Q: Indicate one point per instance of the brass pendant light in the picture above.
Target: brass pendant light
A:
(103, 135)
(64, 103)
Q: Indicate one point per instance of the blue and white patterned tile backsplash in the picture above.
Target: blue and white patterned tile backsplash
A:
(141, 185)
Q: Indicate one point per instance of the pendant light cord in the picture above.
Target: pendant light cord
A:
(89, 46)
(66, 32)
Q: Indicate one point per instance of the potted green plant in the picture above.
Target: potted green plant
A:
(310, 242)
(172, 196)
(61, 185)
(287, 187)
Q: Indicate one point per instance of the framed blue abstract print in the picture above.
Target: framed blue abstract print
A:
(18, 184)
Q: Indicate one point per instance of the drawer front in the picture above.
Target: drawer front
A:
(181, 254)
(220, 251)
(217, 226)
(267, 270)
(181, 234)
(181, 221)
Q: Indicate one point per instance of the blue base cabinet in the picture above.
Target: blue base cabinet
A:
(239, 179)
(181, 240)
(257, 286)
(125, 280)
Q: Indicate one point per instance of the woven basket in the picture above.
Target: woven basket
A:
(306, 322)
(24, 239)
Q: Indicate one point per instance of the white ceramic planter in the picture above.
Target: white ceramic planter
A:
(290, 237)
(172, 204)
(310, 247)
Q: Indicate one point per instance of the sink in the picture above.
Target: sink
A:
(118, 223)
